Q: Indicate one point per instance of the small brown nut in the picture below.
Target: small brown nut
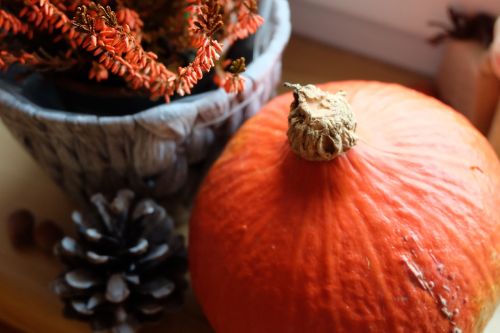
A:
(47, 234)
(20, 226)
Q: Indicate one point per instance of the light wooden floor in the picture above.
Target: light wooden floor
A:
(307, 61)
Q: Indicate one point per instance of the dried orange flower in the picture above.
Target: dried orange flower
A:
(144, 42)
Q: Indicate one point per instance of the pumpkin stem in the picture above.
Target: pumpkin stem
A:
(321, 125)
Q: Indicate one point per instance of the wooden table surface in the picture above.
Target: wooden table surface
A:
(306, 61)
(25, 300)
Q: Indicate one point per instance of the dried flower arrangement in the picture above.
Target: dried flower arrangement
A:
(158, 47)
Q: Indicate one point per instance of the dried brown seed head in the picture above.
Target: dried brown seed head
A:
(47, 234)
(20, 226)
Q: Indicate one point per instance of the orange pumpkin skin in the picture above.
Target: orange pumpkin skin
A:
(401, 234)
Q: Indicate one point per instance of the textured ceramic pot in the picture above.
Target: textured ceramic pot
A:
(162, 151)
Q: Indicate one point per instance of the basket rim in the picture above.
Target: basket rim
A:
(184, 106)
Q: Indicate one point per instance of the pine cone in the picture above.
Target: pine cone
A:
(125, 267)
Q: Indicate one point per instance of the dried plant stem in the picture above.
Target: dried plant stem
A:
(22, 57)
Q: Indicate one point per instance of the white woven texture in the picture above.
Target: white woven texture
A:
(163, 151)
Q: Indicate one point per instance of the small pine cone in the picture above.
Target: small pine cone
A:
(125, 267)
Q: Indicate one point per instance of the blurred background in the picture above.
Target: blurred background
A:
(443, 48)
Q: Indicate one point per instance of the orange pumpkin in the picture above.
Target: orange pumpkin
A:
(401, 233)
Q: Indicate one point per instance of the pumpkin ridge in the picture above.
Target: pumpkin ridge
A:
(396, 260)
(325, 245)
(410, 253)
(369, 246)
(457, 237)
(418, 182)
(419, 172)
(330, 269)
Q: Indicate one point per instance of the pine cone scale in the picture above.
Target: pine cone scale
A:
(81, 279)
(117, 289)
(140, 248)
(158, 289)
(97, 259)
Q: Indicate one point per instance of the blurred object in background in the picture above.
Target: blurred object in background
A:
(495, 61)
(465, 78)
(495, 49)
(393, 31)
(466, 81)
(495, 131)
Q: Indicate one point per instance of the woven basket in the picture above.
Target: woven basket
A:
(162, 151)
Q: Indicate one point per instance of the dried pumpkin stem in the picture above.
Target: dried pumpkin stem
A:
(321, 125)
